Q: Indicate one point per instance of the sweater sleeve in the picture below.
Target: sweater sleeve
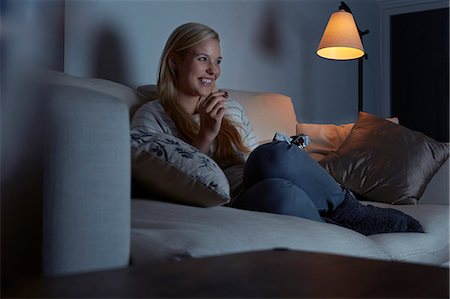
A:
(234, 172)
(236, 113)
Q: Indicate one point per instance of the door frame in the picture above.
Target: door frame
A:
(390, 8)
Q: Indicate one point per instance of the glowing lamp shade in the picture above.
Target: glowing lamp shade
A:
(341, 40)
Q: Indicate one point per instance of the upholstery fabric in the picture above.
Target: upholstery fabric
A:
(268, 113)
(168, 166)
(386, 162)
(86, 221)
(437, 191)
(432, 247)
(126, 94)
(175, 231)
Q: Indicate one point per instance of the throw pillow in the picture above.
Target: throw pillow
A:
(385, 162)
(326, 138)
(177, 171)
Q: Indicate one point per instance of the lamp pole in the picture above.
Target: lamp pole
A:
(345, 7)
(360, 83)
(360, 74)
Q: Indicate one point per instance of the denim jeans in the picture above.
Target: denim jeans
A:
(282, 178)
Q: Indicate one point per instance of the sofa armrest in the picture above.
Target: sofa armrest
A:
(437, 191)
(87, 181)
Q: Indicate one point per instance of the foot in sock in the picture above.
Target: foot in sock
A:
(369, 220)
(413, 224)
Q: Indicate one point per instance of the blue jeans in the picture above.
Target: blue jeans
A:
(281, 178)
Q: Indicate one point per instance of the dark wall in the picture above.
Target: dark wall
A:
(266, 45)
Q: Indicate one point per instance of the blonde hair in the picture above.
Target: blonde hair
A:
(182, 38)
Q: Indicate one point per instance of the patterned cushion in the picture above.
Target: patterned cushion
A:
(176, 171)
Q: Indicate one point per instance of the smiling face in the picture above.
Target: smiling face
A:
(198, 70)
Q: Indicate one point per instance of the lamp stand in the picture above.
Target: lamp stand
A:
(360, 74)
(345, 7)
(360, 83)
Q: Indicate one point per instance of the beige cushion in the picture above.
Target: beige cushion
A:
(326, 138)
(268, 113)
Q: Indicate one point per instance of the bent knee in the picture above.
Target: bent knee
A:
(273, 152)
(277, 153)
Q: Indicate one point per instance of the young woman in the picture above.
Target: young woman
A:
(275, 177)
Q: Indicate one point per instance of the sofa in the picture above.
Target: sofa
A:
(95, 219)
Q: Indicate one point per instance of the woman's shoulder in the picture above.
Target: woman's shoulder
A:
(151, 111)
(151, 117)
(151, 107)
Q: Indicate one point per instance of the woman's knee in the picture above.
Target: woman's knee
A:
(274, 152)
(275, 160)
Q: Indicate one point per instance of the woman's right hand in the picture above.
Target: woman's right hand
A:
(211, 110)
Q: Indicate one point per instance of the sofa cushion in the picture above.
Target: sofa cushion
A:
(383, 161)
(162, 230)
(325, 138)
(431, 247)
(267, 112)
(168, 166)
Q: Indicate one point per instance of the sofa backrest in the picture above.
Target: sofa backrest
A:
(127, 94)
(267, 112)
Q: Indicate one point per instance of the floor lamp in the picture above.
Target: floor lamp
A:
(342, 40)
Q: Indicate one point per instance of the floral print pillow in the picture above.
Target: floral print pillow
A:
(166, 166)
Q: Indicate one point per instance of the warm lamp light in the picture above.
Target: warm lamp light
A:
(341, 40)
